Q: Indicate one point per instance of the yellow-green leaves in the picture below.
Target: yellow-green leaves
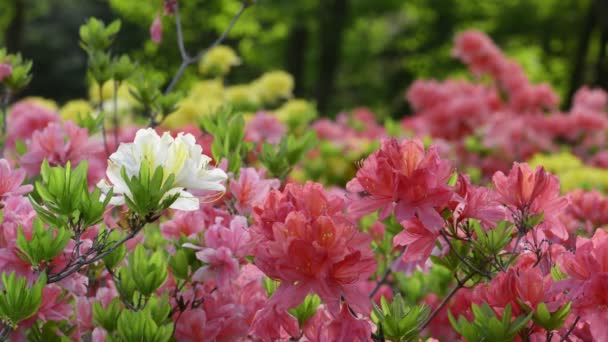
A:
(150, 323)
(280, 160)
(107, 317)
(306, 309)
(399, 322)
(62, 199)
(148, 191)
(19, 302)
(228, 129)
(142, 277)
(95, 35)
(20, 74)
(486, 326)
(45, 244)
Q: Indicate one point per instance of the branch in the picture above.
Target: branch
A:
(445, 300)
(462, 258)
(571, 329)
(385, 275)
(6, 330)
(83, 261)
(186, 59)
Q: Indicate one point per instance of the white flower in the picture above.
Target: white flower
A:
(180, 157)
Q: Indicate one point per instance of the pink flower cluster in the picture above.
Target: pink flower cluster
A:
(303, 239)
(508, 109)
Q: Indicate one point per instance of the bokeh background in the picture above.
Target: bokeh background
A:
(342, 53)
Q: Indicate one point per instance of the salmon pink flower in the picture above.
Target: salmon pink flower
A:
(419, 240)
(405, 178)
(347, 328)
(303, 239)
(587, 285)
(526, 193)
(475, 202)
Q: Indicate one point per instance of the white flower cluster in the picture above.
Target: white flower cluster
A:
(180, 157)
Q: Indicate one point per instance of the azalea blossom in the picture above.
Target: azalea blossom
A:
(405, 178)
(526, 192)
(180, 157)
(10, 181)
(303, 239)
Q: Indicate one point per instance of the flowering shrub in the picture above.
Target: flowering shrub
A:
(235, 216)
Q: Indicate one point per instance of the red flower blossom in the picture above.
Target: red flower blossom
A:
(406, 178)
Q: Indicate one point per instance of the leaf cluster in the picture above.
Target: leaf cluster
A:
(486, 326)
(18, 301)
(62, 198)
(280, 159)
(399, 322)
(228, 129)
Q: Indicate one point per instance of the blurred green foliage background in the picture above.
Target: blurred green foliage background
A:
(342, 53)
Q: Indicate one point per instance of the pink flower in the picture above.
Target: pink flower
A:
(478, 51)
(532, 193)
(590, 99)
(156, 30)
(11, 180)
(250, 189)
(219, 266)
(236, 237)
(25, 118)
(5, 71)
(186, 223)
(265, 128)
(191, 326)
(419, 240)
(587, 286)
(18, 212)
(405, 177)
(347, 328)
(475, 202)
(60, 143)
(55, 306)
(451, 109)
(589, 209)
(302, 238)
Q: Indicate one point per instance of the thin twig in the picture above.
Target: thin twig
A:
(180, 35)
(6, 330)
(84, 261)
(224, 34)
(186, 59)
(462, 258)
(446, 299)
(571, 329)
(388, 271)
(514, 251)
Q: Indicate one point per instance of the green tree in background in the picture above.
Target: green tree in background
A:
(342, 53)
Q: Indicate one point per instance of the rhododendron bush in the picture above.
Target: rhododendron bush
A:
(220, 212)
